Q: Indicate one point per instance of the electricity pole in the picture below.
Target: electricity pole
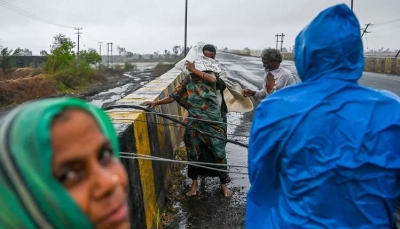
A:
(100, 44)
(365, 30)
(186, 10)
(352, 5)
(281, 40)
(277, 40)
(112, 56)
(108, 55)
(78, 38)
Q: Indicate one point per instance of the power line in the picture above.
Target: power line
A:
(384, 23)
(387, 29)
(29, 15)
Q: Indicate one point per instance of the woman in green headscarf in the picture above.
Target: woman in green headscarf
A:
(59, 167)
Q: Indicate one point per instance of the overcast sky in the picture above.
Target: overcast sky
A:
(145, 26)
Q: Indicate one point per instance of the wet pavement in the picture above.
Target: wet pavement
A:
(131, 81)
(209, 209)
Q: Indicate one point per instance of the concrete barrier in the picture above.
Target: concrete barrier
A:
(140, 132)
(372, 64)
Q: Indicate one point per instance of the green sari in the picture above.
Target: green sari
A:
(30, 197)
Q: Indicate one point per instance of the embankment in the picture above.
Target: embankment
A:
(139, 132)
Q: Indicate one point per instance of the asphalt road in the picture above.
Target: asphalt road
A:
(209, 209)
(249, 71)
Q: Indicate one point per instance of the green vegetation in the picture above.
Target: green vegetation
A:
(162, 68)
(7, 58)
(91, 56)
(66, 70)
(129, 67)
(61, 54)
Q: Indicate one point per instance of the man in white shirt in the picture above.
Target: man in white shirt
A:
(276, 77)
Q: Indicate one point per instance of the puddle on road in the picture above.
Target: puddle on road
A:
(117, 93)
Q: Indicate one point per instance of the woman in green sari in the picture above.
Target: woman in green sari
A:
(197, 93)
(59, 168)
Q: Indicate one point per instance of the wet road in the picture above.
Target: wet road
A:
(209, 209)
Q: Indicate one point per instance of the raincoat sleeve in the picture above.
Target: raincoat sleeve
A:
(263, 168)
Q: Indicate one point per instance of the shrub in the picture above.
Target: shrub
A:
(76, 75)
(128, 66)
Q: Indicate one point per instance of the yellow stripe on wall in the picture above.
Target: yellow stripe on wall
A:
(146, 169)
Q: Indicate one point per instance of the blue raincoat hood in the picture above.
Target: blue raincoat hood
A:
(325, 153)
(319, 55)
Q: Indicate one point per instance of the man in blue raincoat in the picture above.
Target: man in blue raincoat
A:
(325, 153)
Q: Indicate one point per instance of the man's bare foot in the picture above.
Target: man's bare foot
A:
(225, 190)
(193, 189)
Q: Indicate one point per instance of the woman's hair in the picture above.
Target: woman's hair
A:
(209, 48)
(273, 55)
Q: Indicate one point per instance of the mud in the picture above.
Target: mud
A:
(108, 92)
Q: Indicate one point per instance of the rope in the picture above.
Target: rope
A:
(197, 119)
(177, 125)
(191, 162)
(195, 164)
(177, 121)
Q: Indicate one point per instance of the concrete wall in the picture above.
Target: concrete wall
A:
(29, 61)
(372, 64)
(139, 133)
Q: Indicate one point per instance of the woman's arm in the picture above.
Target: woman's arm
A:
(205, 76)
(152, 104)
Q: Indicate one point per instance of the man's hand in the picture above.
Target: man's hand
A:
(150, 104)
(247, 92)
(190, 66)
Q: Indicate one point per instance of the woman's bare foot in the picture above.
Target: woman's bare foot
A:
(225, 190)
(193, 189)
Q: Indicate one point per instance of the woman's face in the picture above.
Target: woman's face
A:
(84, 163)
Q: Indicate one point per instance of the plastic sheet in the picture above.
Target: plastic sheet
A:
(325, 153)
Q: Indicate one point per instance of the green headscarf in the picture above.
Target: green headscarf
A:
(30, 197)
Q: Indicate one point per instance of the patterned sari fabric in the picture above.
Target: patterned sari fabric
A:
(30, 196)
(199, 98)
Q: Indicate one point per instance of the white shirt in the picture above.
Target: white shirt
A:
(283, 78)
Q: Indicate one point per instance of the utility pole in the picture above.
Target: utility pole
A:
(78, 38)
(112, 56)
(277, 40)
(282, 36)
(352, 5)
(186, 11)
(108, 55)
(365, 30)
(100, 44)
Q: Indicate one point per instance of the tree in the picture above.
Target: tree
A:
(91, 56)
(27, 52)
(43, 53)
(61, 53)
(121, 50)
(176, 49)
(129, 54)
(7, 58)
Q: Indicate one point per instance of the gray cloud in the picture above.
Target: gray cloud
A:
(146, 26)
